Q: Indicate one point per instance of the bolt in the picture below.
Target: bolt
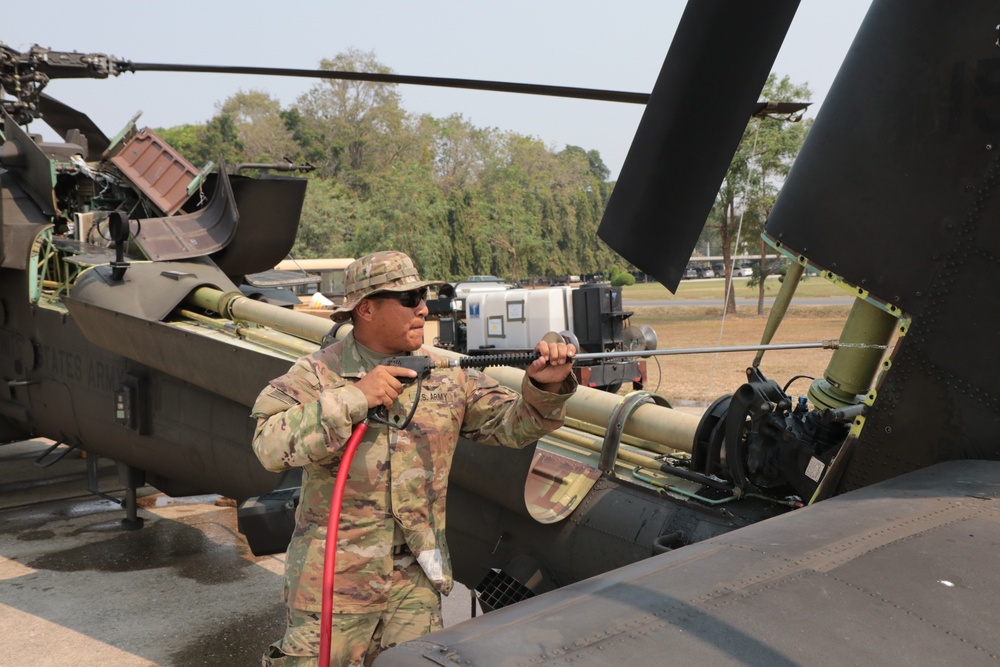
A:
(888, 429)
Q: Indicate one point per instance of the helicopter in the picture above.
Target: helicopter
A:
(892, 197)
(128, 336)
(93, 351)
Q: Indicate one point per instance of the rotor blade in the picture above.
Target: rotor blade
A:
(720, 57)
(62, 118)
(467, 84)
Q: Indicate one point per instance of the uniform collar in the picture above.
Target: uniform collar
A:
(356, 359)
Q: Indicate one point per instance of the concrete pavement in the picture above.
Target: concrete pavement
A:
(77, 590)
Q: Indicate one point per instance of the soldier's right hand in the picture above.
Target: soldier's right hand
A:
(381, 386)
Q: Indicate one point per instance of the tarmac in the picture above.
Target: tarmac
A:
(182, 591)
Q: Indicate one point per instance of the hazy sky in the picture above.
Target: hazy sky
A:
(618, 46)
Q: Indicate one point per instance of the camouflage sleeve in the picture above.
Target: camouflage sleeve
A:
(501, 416)
(299, 422)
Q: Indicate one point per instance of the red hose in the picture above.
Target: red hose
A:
(330, 550)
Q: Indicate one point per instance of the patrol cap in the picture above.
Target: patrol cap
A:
(385, 271)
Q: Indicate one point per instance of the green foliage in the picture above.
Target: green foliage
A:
(329, 217)
(620, 278)
(352, 130)
(461, 199)
(406, 211)
(755, 175)
(259, 126)
(185, 138)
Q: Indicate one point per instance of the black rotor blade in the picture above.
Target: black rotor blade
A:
(720, 57)
(62, 118)
(465, 84)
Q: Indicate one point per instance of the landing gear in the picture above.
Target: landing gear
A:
(129, 477)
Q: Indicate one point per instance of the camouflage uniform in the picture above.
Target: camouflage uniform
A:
(394, 500)
(413, 607)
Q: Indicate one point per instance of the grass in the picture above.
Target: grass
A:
(715, 289)
(700, 379)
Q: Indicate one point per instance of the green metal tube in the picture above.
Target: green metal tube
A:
(235, 306)
(599, 430)
(653, 423)
(271, 338)
(780, 307)
(853, 366)
(596, 445)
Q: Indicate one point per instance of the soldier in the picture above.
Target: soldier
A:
(392, 558)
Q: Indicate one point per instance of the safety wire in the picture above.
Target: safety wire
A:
(729, 280)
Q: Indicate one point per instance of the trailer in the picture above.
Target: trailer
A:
(485, 321)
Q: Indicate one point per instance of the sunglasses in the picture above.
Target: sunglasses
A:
(409, 299)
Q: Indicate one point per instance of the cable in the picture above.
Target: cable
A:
(788, 384)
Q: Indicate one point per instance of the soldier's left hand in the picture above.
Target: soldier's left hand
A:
(554, 364)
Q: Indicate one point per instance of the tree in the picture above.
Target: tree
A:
(330, 215)
(761, 163)
(620, 278)
(248, 127)
(459, 151)
(406, 211)
(352, 129)
(218, 140)
(184, 138)
(460, 199)
(260, 126)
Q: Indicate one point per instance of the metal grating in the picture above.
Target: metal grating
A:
(498, 589)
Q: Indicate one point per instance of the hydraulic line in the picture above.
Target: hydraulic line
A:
(330, 548)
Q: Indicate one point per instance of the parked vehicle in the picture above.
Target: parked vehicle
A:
(486, 321)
